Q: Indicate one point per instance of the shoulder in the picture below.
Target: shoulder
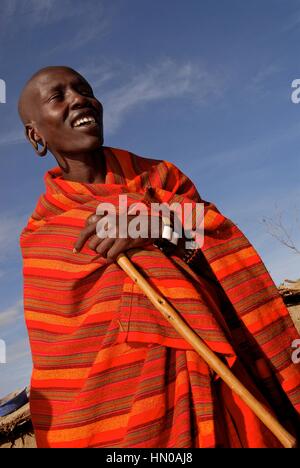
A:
(124, 155)
(140, 163)
(157, 172)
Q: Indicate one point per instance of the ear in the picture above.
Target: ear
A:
(34, 139)
(32, 135)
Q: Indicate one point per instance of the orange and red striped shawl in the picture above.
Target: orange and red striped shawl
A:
(108, 371)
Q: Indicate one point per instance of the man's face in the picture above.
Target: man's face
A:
(66, 112)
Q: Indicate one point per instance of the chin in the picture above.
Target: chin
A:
(90, 143)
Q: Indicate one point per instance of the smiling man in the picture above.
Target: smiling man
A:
(108, 370)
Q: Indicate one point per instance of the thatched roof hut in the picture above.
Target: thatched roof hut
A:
(290, 291)
(16, 429)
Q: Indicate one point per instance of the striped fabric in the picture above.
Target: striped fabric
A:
(108, 371)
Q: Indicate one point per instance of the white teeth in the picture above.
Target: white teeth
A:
(83, 120)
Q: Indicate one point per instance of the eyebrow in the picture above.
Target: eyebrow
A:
(60, 86)
(55, 88)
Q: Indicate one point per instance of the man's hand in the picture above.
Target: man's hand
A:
(110, 247)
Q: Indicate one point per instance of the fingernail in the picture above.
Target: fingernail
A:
(75, 250)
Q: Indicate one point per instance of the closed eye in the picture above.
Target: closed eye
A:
(56, 96)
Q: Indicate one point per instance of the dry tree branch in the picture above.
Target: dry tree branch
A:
(277, 228)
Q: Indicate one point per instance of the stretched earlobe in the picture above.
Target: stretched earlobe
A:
(43, 151)
(29, 133)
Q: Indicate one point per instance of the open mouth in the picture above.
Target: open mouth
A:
(84, 122)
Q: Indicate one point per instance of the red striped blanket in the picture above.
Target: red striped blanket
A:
(108, 371)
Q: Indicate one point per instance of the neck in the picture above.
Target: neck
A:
(89, 168)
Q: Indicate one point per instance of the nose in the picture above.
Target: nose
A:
(77, 100)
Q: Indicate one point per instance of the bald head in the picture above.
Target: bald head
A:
(26, 104)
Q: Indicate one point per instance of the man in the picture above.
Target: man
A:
(108, 371)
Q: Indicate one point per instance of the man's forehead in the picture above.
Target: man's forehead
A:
(49, 79)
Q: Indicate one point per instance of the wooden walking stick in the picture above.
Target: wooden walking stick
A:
(170, 314)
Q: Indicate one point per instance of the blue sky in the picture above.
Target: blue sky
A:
(205, 84)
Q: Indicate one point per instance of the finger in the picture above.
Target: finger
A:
(94, 242)
(84, 235)
(99, 237)
(92, 219)
(122, 245)
(104, 246)
(119, 246)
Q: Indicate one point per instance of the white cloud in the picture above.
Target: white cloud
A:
(15, 374)
(88, 17)
(250, 151)
(165, 80)
(293, 22)
(96, 23)
(10, 230)
(48, 11)
(11, 138)
(11, 314)
(262, 78)
(100, 74)
(36, 11)
(18, 351)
